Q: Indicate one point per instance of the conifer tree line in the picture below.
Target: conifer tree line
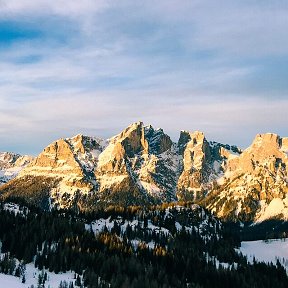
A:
(160, 246)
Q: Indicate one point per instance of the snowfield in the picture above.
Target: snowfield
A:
(10, 281)
(32, 276)
(267, 251)
(54, 280)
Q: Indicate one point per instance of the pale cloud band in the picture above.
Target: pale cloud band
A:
(94, 67)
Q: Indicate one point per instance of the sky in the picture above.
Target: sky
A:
(96, 66)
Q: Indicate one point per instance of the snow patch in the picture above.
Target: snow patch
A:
(15, 208)
(108, 181)
(151, 188)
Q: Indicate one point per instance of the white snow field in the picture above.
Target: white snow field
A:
(267, 251)
(11, 282)
(32, 273)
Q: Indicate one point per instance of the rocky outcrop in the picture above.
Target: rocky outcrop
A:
(196, 160)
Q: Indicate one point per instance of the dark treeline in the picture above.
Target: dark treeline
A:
(131, 252)
(269, 229)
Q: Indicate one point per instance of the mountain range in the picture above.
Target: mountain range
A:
(142, 165)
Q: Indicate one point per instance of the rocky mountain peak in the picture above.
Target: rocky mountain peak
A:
(196, 165)
(132, 139)
(197, 137)
(82, 143)
(253, 180)
(138, 138)
(271, 138)
(71, 162)
(134, 161)
(56, 155)
(7, 158)
(269, 141)
(264, 149)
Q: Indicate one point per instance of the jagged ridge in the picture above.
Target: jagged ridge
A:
(142, 165)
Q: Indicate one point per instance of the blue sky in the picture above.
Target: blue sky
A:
(94, 67)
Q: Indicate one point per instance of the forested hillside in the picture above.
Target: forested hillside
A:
(161, 246)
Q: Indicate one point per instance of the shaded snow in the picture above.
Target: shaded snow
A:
(98, 226)
(205, 228)
(15, 208)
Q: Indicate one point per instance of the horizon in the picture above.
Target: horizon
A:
(95, 67)
(174, 140)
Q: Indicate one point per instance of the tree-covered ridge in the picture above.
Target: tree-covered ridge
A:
(163, 246)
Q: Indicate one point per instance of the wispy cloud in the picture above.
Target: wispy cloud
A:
(71, 8)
